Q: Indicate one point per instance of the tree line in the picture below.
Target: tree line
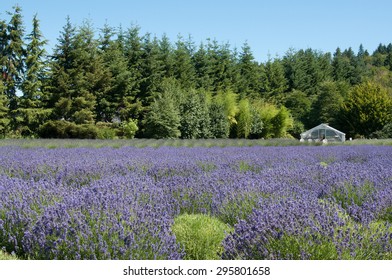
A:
(119, 83)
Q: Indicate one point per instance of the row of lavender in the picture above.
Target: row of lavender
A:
(284, 202)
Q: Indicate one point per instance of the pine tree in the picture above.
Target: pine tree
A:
(152, 68)
(326, 108)
(61, 65)
(134, 54)
(203, 69)
(31, 112)
(88, 74)
(248, 73)
(274, 80)
(184, 70)
(166, 56)
(221, 66)
(14, 55)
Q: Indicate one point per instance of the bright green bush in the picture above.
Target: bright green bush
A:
(201, 235)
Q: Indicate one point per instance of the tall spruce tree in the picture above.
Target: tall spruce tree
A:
(134, 53)
(152, 67)
(163, 117)
(13, 58)
(61, 65)
(114, 104)
(248, 71)
(203, 69)
(89, 75)
(32, 112)
(184, 70)
(274, 81)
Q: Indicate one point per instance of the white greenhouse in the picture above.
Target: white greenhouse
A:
(323, 132)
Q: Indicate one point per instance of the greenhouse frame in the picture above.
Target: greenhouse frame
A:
(323, 132)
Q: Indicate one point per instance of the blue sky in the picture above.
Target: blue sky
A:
(270, 27)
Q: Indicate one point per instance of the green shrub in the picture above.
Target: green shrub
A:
(129, 128)
(106, 130)
(65, 129)
(201, 235)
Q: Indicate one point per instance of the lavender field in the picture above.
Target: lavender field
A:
(294, 202)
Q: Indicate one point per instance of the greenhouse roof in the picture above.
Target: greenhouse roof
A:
(323, 132)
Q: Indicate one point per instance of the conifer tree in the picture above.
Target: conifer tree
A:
(163, 118)
(134, 54)
(13, 57)
(152, 68)
(248, 71)
(61, 65)
(32, 112)
(166, 56)
(203, 69)
(184, 70)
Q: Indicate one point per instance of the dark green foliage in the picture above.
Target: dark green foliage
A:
(384, 133)
(300, 106)
(64, 129)
(325, 111)
(249, 79)
(214, 90)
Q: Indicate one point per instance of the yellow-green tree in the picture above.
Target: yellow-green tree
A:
(367, 109)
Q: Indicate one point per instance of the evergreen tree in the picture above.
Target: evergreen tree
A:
(326, 108)
(117, 101)
(61, 80)
(203, 71)
(248, 71)
(274, 80)
(89, 75)
(13, 57)
(152, 68)
(32, 86)
(184, 70)
(166, 56)
(221, 66)
(300, 106)
(32, 112)
(134, 53)
(309, 69)
(163, 118)
(194, 116)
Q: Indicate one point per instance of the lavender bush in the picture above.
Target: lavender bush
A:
(302, 202)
